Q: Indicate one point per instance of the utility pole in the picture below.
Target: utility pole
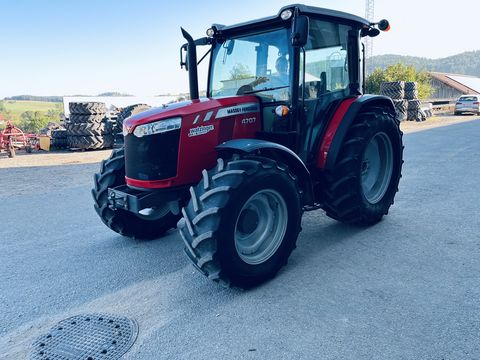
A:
(369, 15)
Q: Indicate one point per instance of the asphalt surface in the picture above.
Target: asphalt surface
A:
(407, 288)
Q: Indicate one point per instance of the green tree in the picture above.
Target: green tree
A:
(240, 71)
(33, 121)
(399, 72)
(53, 115)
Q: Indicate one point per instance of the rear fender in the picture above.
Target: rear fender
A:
(275, 152)
(340, 123)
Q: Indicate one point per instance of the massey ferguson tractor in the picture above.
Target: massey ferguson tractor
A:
(285, 128)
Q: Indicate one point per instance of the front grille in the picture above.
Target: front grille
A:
(152, 157)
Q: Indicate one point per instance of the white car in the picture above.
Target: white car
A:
(468, 103)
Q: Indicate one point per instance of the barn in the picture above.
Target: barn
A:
(452, 86)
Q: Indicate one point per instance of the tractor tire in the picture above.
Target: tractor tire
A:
(394, 90)
(411, 95)
(362, 185)
(112, 174)
(86, 119)
(59, 143)
(118, 141)
(87, 108)
(88, 129)
(129, 111)
(242, 221)
(401, 109)
(413, 113)
(59, 134)
(92, 142)
(411, 90)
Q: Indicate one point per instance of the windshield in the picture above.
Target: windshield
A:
(253, 64)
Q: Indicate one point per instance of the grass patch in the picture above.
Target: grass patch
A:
(15, 108)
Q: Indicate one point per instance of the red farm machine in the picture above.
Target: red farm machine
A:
(13, 138)
(285, 128)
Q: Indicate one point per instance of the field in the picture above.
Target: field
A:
(15, 108)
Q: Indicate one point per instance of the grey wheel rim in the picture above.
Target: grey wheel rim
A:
(261, 226)
(377, 167)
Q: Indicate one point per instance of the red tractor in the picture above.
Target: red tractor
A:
(285, 128)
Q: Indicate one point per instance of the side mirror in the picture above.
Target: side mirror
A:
(300, 31)
(229, 46)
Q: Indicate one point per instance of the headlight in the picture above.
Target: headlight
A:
(158, 127)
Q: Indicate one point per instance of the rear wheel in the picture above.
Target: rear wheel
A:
(148, 225)
(242, 221)
(361, 187)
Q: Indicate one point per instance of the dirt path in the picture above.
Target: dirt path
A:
(53, 158)
(437, 121)
(89, 157)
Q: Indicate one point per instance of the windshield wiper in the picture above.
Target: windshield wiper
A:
(266, 89)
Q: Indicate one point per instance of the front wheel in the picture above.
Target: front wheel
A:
(362, 185)
(143, 226)
(242, 221)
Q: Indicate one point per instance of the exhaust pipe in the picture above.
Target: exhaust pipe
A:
(191, 65)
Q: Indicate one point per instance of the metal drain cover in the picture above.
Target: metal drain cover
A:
(87, 337)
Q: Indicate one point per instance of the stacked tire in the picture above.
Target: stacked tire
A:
(405, 98)
(88, 126)
(396, 91)
(401, 108)
(122, 115)
(411, 90)
(59, 138)
(414, 110)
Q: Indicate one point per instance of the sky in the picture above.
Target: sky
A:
(87, 47)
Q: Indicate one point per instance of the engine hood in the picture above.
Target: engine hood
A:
(184, 108)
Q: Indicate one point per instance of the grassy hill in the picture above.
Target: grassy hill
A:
(15, 108)
(467, 63)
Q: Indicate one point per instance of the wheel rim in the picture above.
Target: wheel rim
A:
(377, 167)
(261, 226)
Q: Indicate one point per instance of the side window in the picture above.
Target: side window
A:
(326, 61)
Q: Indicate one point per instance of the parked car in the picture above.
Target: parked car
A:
(468, 103)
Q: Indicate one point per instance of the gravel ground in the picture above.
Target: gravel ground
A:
(406, 288)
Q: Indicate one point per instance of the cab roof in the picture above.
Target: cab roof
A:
(303, 9)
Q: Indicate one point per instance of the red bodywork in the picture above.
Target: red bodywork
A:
(206, 123)
(332, 130)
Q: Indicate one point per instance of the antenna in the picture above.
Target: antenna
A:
(369, 15)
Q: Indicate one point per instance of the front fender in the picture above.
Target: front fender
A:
(275, 152)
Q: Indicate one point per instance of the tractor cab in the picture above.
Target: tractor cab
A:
(300, 64)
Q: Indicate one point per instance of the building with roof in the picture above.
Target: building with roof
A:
(452, 86)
